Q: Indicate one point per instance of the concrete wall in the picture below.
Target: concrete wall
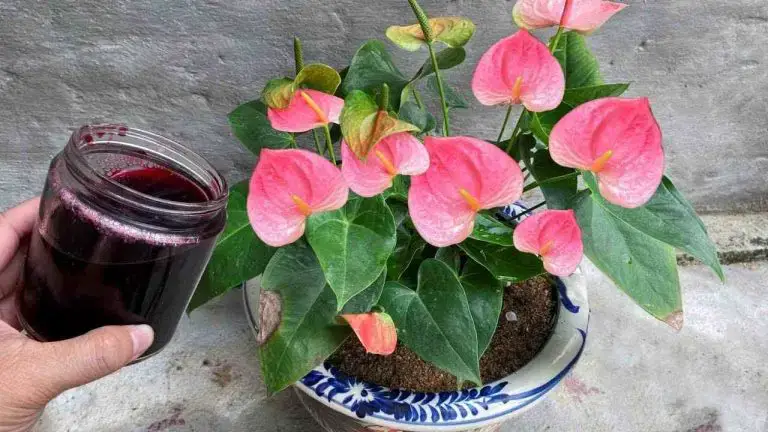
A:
(179, 66)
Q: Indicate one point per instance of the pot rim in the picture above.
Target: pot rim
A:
(473, 407)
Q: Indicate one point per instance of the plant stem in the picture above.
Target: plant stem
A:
(504, 125)
(530, 210)
(293, 141)
(513, 138)
(429, 38)
(534, 185)
(556, 40)
(317, 142)
(441, 90)
(298, 55)
(329, 143)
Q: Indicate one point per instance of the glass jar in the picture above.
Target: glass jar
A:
(127, 223)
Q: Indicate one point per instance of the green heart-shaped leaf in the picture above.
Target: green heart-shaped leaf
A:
(667, 217)
(435, 321)
(580, 66)
(318, 77)
(640, 265)
(239, 255)
(505, 263)
(353, 244)
(371, 67)
(364, 125)
(308, 333)
(452, 31)
(485, 295)
(251, 126)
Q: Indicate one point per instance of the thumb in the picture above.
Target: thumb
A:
(78, 361)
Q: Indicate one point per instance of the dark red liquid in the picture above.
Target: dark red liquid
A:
(161, 183)
(84, 272)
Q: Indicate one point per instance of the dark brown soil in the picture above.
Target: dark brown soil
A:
(533, 304)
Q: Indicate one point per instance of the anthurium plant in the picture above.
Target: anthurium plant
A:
(400, 238)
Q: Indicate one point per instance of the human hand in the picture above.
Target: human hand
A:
(33, 373)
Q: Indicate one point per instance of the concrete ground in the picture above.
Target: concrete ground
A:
(636, 373)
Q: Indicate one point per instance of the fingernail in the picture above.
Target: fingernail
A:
(142, 336)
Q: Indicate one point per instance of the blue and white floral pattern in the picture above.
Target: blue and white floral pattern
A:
(365, 399)
(513, 211)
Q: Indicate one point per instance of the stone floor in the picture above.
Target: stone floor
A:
(636, 374)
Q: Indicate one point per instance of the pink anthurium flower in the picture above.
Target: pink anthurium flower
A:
(465, 176)
(618, 140)
(555, 236)
(583, 16)
(375, 330)
(400, 153)
(308, 109)
(519, 69)
(286, 188)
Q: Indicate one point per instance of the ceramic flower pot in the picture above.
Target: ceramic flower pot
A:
(342, 403)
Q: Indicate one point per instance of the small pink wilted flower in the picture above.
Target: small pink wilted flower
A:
(583, 16)
(465, 176)
(555, 236)
(617, 139)
(286, 188)
(400, 153)
(307, 110)
(519, 69)
(376, 332)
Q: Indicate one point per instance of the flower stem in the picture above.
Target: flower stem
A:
(441, 90)
(530, 210)
(556, 40)
(316, 136)
(515, 132)
(298, 55)
(429, 38)
(534, 185)
(329, 143)
(504, 125)
(293, 141)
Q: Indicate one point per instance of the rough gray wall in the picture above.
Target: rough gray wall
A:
(179, 66)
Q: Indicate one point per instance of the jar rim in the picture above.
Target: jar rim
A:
(192, 165)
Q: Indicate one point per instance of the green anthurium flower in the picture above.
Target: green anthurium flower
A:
(363, 124)
(452, 31)
(318, 77)
(279, 92)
